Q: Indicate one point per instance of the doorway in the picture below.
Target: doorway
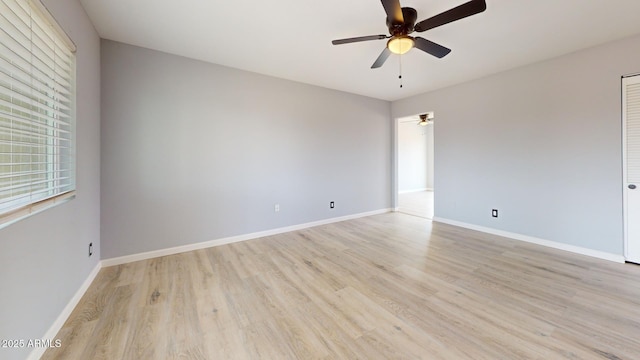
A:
(415, 170)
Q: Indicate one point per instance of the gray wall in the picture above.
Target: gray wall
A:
(43, 259)
(194, 152)
(541, 143)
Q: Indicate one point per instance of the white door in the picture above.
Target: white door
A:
(631, 166)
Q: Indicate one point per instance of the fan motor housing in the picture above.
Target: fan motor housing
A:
(410, 16)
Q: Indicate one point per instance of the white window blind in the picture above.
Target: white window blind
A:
(632, 127)
(37, 110)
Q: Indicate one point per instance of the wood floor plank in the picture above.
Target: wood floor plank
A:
(390, 286)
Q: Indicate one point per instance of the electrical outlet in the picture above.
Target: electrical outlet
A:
(276, 208)
(332, 205)
(494, 213)
(90, 249)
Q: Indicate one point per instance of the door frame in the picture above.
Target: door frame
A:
(395, 158)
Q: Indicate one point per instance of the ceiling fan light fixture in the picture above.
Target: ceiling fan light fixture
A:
(400, 45)
(426, 119)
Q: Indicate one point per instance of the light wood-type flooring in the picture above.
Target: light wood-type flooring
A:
(419, 203)
(390, 286)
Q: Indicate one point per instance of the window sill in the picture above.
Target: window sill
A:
(32, 209)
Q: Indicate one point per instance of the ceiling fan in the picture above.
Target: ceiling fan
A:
(426, 119)
(401, 22)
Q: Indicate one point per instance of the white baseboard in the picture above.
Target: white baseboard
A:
(66, 312)
(534, 240)
(233, 239)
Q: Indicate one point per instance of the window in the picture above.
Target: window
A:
(37, 111)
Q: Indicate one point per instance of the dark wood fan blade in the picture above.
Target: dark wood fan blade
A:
(381, 59)
(459, 12)
(430, 47)
(358, 39)
(394, 11)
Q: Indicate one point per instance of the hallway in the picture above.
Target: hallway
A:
(419, 203)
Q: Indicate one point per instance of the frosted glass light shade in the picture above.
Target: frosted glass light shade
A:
(400, 45)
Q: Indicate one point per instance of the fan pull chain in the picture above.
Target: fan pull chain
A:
(400, 76)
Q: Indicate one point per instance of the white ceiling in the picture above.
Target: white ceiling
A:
(291, 39)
